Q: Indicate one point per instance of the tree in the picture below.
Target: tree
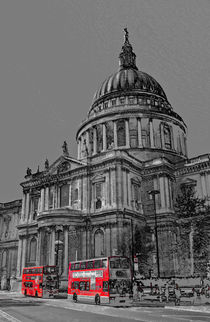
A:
(193, 238)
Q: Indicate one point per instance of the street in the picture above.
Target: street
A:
(16, 308)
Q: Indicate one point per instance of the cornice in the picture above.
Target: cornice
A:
(194, 168)
(161, 113)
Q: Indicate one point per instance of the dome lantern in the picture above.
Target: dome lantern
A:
(127, 56)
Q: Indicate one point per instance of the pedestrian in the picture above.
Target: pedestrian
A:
(207, 289)
(151, 288)
(141, 292)
(135, 295)
(195, 296)
(167, 292)
(177, 295)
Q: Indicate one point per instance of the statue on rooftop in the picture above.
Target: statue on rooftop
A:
(28, 172)
(46, 164)
(65, 149)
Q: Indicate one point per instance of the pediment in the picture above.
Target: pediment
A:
(98, 178)
(189, 182)
(63, 164)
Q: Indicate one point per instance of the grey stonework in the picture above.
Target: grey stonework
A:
(131, 143)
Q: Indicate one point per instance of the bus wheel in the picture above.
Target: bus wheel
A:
(75, 298)
(97, 300)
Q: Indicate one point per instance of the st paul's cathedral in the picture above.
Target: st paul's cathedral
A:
(103, 202)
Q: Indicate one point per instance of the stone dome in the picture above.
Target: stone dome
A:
(128, 78)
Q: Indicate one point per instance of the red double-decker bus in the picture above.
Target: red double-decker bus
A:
(101, 280)
(40, 281)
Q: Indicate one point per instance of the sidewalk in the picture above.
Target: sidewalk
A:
(199, 308)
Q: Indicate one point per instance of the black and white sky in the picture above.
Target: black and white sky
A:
(54, 54)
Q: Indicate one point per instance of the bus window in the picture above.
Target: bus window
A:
(125, 263)
(97, 264)
(105, 286)
(83, 265)
(75, 285)
(76, 265)
(90, 264)
(82, 286)
(114, 263)
(104, 263)
(87, 286)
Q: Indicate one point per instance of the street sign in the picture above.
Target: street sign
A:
(135, 260)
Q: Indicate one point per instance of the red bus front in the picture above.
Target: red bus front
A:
(40, 281)
(105, 280)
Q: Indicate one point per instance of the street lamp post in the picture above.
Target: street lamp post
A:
(153, 193)
(58, 242)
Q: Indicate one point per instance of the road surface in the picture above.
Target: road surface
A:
(21, 309)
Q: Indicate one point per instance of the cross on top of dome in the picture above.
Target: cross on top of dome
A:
(126, 35)
(127, 56)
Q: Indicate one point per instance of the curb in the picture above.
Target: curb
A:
(202, 309)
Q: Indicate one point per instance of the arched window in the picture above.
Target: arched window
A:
(99, 137)
(109, 135)
(91, 141)
(98, 194)
(64, 195)
(74, 192)
(167, 137)
(32, 250)
(121, 138)
(4, 259)
(51, 197)
(136, 195)
(99, 243)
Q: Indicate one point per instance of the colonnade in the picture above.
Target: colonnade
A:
(85, 144)
(205, 185)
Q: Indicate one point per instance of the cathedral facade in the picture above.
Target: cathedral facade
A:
(132, 143)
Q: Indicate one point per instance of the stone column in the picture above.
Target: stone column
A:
(162, 137)
(127, 134)
(203, 185)
(55, 197)
(114, 239)
(168, 204)
(108, 239)
(58, 196)
(19, 271)
(139, 133)
(94, 141)
(151, 132)
(162, 193)
(23, 206)
(47, 198)
(115, 133)
(42, 200)
(79, 148)
(23, 253)
(113, 186)
(104, 137)
(66, 246)
(52, 256)
(39, 239)
(27, 206)
(88, 142)
(208, 183)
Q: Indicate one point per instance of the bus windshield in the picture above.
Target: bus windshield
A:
(120, 286)
(50, 270)
(119, 263)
